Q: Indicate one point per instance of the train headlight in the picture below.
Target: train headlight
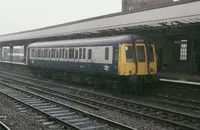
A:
(151, 70)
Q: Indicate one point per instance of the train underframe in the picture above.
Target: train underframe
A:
(137, 84)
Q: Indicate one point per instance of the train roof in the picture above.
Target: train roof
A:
(85, 42)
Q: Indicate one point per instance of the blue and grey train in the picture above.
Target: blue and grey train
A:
(125, 61)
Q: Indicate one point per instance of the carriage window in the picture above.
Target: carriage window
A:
(141, 54)
(130, 54)
(36, 53)
(150, 54)
(106, 53)
(57, 53)
(49, 53)
(76, 54)
(32, 52)
(63, 54)
(84, 51)
(53, 53)
(60, 53)
(71, 53)
(89, 54)
(66, 53)
(39, 53)
(80, 53)
(42, 53)
(45, 52)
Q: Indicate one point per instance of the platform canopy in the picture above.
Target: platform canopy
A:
(173, 14)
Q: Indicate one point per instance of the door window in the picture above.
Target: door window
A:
(141, 54)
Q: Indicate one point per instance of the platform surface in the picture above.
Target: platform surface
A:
(179, 77)
(19, 63)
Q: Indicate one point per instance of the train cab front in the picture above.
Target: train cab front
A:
(137, 62)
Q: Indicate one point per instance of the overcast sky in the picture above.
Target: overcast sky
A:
(20, 15)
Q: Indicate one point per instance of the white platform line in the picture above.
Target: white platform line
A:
(1, 123)
(180, 81)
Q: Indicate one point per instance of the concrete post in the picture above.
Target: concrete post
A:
(11, 53)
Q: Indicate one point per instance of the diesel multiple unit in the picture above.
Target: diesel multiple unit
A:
(125, 61)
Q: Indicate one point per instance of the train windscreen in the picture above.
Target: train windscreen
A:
(130, 54)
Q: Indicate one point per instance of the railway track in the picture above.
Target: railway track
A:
(191, 104)
(70, 117)
(176, 119)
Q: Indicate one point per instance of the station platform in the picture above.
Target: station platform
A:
(14, 66)
(179, 77)
(19, 63)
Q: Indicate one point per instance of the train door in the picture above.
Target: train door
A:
(142, 66)
(152, 59)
